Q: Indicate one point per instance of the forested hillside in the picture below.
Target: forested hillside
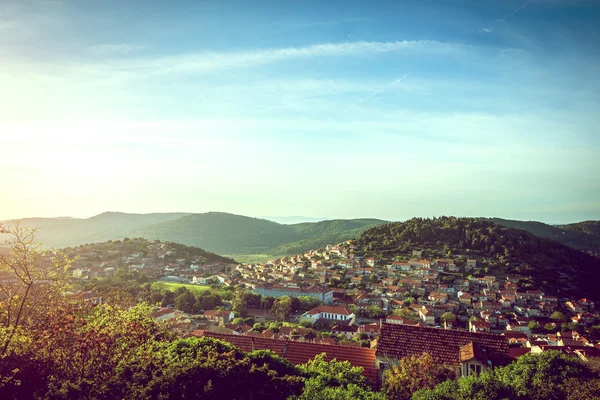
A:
(581, 235)
(322, 233)
(65, 232)
(216, 232)
(548, 264)
(222, 233)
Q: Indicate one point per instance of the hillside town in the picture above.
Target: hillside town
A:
(361, 303)
(154, 260)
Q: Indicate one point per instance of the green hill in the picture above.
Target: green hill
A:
(581, 235)
(65, 232)
(222, 233)
(541, 262)
(322, 233)
(214, 231)
(235, 234)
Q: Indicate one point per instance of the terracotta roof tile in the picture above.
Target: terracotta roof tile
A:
(301, 352)
(398, 341)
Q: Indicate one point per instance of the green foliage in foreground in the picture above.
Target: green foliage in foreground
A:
(106, 352)
(547, 376)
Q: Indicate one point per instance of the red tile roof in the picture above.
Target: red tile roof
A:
(516, 352)
(398, 341)
(217, 313)
(345, 328)
(301, 352)
(472, 351)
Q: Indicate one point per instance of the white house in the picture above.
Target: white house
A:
(335, 313)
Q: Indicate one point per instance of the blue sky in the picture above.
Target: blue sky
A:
(333, 109)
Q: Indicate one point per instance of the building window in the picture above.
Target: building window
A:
(474, 369)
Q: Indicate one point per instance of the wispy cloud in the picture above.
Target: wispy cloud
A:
(513, 12)
(486, 30)
(107, 49)
(379, 91)
(212, 60)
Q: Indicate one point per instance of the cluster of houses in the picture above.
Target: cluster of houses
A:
(491, 320)
(154, 259)
(428, 289)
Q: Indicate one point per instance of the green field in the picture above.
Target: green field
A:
(164, 286)
(253, 258)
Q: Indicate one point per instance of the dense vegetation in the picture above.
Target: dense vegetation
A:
(216, 232)
(552, 266)
(545, 376)
(581, 235)
(107, 352)
(322, 233)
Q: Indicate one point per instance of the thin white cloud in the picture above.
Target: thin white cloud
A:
(379, 91)
(108, 49)
(215, 61)
(486, 30)
(513, 12)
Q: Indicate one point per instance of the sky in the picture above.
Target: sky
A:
(387, 109)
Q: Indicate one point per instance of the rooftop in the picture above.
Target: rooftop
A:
(302, 352)
(398, 341)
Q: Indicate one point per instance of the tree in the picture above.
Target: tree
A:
(412, 374)
(448, 317)
(540, 376)
(239, 302)
(534, 326)
(558, 317)
(186, 302)
(550, 375)
(205, 368)
(407, 314)
(75, 350)
(409, 300)
(306, 323)
(168, 298)
(481, 387)
(36, 282)
(375, 311)
(595, 331)
(282, 307)
(337, 380)
(258, 327)
(295, 304)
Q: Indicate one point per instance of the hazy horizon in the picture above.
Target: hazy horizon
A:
(292, 219)
(345, 109)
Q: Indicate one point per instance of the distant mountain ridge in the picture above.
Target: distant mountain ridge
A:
(295, 219)
(231, 234)
(217, 232)
(583, 235)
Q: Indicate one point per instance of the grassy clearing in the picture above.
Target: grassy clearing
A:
(164, 286)
(252, 258)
